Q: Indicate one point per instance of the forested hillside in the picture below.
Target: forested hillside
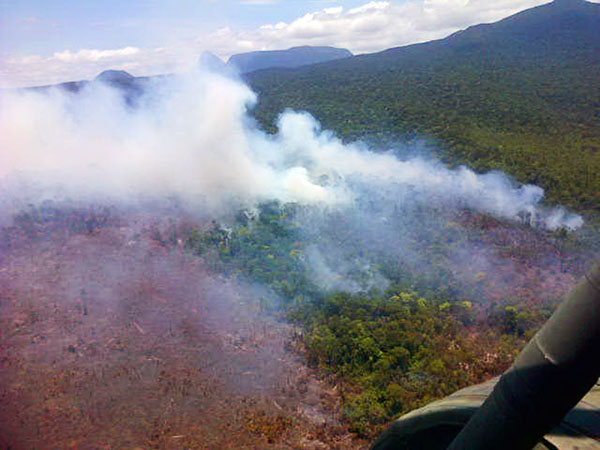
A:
(522, 95)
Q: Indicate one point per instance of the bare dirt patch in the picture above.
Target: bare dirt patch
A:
(111, 339)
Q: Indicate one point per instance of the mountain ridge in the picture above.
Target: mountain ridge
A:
(290, 58)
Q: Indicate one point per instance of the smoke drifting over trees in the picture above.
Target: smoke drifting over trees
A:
(191, 137)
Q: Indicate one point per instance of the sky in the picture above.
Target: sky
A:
(51, 41)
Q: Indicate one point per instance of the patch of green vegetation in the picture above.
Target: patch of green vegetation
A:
(392, 350)
(266, 249)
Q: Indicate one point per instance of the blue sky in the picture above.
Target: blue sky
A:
(41, 27)
(52, 41)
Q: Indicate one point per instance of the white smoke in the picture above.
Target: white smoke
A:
(191, 137)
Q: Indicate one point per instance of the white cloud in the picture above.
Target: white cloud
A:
(372, 27)
(35, 70)
(257, 2)
(333, 10)
(369, 6)
(95, 55)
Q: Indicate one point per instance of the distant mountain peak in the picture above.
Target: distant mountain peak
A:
(114, 75)
(290, 58)
(211, 62)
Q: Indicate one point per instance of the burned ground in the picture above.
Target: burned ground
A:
(112, 339)
(116, 332)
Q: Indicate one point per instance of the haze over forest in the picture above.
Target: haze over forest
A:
(342, 236)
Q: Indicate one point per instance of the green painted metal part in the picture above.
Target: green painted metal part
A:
(436, 425)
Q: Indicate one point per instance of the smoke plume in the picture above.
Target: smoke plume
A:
(190, 137)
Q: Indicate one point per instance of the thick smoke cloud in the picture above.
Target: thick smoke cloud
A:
(191, 138)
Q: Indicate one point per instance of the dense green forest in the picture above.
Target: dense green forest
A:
(521, 95)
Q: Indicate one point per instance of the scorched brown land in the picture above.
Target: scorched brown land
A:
(110, 339)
